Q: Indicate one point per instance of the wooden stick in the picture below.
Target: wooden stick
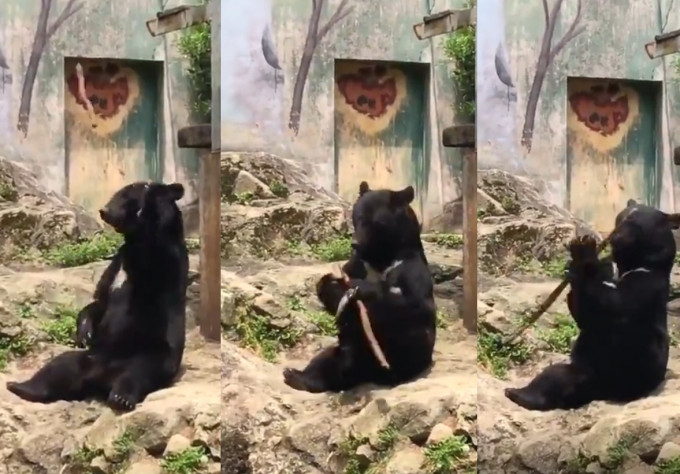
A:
(368, 330)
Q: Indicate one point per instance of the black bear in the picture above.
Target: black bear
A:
(134, 331)
(389, 274)
(621, 352)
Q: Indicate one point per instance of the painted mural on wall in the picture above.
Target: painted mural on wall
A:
(379, 123)
(315, 34)
(610, 148)
(44, 31)
(252, 77)
(100, 96)
(545, 60)
(5, 94)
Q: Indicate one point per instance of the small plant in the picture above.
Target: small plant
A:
(279, 189)
(243, 199)
(497, 357)
(460, 48)
(193, 244)
(98, 247)
(442, 320)
(556, 267)
(561, 335)
(450, 241)
(619, 452)
(447, 456)
(670, 466)
(83, 457)
(324, 322)
(13, 346)
(387, 438)
(256, 333)
(62, 327)
(579, 464)
(195, 45)
(26, 310)
(189, 461)
(124, 444)
(334, 250)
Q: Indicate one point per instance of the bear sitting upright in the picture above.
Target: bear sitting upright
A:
(621, 352)
(389, 274)
(135, 331)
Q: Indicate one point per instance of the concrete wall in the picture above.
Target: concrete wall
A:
(609, 44)
(263, 48)
(92, 30)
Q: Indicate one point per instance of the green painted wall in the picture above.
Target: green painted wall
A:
(96, 29)
(611, 45)
(257, 83)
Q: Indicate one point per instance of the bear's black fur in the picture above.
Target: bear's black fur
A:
(136, 333)
(400, 304)
(621, 352)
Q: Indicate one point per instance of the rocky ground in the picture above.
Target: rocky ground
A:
(522, 259)
(51, 255)
(279, 235)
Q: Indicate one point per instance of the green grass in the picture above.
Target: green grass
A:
(83, 457)
(387, 439)
(450, 241)
(98, 247)
(561, 335)
(671, 466)
(556, 267)
(498, 358)
(12, 347)
(244, 198)
(448, 456)
(442, 320)
(124, 445)
(619, 452)
(62, 327)
(324, 322)
(190, 461)
(256, 332)
(334, 250)
(279, 189)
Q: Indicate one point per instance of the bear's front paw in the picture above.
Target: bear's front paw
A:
(583, 248)
(83, 338)
(328, 282)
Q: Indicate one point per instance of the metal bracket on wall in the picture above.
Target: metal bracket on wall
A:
(177, 18)
(445, 22)
(667, 43)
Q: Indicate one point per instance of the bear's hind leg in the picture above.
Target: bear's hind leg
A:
(559, 386)
(139, 377)
(62, 378)
(329, 371)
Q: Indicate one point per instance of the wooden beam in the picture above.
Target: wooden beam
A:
(460, 136)
(667, 43)
(209, 260)
(445, 22)
(177, 18)
(199, 136)
(195, 136)
(464, 136)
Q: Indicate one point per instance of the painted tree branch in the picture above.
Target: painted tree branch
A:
(43, 32)
(314, 37)
(546, 58)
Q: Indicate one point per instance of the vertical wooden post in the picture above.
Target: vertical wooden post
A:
(463, 137)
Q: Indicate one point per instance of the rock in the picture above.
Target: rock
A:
(540, 453)
(31, 217)
(668, 452)
(100, 465)
(144, 467)
(176, 444)
(408, 460)
(518, 225)
(246, 183)
(371, 420)
(439, 433)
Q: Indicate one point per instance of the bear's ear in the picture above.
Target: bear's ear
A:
(631, 203)
(363, 188)
(674, 220)
(403, 197)
(175, 191)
